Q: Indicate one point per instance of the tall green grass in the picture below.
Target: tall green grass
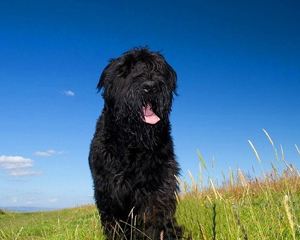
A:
(265, 207)
(76, 223)
(242, 207)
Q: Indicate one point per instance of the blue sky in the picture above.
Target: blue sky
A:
(238, 72)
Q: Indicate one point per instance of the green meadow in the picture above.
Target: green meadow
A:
(265, 207)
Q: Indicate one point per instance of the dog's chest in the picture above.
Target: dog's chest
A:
(143, 169)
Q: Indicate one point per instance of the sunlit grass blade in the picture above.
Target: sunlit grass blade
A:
(298, 150)
(268, 136)
(272, 143)
(289, 215)
(255, 152)
(202, 161)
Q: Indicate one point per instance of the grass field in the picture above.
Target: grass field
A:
(268, 209)
(261, 208)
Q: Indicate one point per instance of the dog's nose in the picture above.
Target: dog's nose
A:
(148, 86)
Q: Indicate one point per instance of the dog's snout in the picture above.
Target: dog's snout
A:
(148, 86)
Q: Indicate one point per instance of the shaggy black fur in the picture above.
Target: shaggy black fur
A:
(132, 162)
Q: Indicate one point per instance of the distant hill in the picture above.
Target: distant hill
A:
(26, 209)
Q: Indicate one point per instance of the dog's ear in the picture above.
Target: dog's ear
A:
(106, 76)
(168, 71)
(117, 68)
(172, 77)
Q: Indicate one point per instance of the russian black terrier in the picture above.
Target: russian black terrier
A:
(131, 155)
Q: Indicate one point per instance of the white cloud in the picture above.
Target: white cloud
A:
(53, 200)
(69, 93)
(17, 166)
(24, 172)
(47, 153)
(15, 162)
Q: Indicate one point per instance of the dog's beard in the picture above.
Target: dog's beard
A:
(138, 108)
(140, 125)
(149, 115)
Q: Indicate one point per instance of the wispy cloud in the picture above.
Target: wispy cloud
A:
(47, 153)
(17, 166)
(69, 93)
(52, 200)
(24, 172)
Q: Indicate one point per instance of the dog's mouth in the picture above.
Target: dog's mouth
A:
(149, 116)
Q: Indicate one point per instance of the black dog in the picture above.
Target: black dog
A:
(131, 156)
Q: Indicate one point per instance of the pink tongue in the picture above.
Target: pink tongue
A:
(149, 116)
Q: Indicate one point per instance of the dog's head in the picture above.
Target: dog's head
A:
(139, 85)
